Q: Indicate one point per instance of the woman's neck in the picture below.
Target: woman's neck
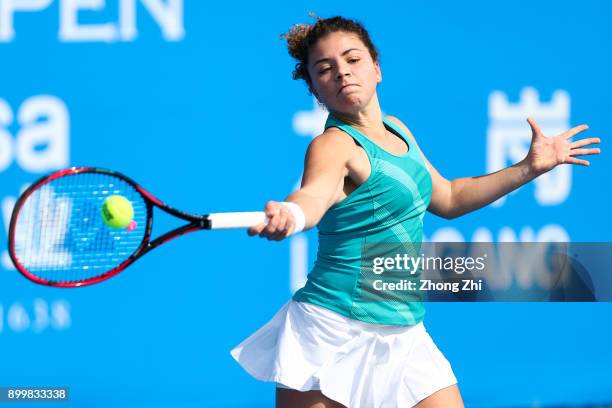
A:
(368, 121)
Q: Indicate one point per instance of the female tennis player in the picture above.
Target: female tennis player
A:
(366, 181)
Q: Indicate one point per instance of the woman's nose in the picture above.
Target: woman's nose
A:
(342, 72)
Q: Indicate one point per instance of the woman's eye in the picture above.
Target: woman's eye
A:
(352, 60)
(323, 70)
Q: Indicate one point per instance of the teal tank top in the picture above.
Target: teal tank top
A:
(381, 217)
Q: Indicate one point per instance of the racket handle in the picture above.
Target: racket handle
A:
(236, 219)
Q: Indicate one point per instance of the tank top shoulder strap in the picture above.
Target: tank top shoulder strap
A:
(400, 131)
(367, 145)
(397, 130)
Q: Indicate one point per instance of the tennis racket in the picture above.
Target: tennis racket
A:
(57, 236)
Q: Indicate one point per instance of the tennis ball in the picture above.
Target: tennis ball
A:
(117, 211)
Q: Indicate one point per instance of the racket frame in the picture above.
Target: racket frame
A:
(194, 223)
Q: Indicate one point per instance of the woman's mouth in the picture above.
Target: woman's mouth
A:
(344, 87)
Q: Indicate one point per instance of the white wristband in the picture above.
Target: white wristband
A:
(298, 215)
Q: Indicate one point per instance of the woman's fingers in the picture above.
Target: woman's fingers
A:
(275, 225)
(576, 151)
(574, 131)
(573, 160)
(256, 229)
(285, 225)
(280, 222)
(273, 219)
(535, 128)
(585, 142)
(582, 152)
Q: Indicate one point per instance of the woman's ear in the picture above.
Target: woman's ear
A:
(378, 72)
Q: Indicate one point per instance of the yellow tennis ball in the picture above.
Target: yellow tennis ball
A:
(117, 211)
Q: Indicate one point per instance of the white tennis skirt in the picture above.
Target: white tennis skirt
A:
(360, 365)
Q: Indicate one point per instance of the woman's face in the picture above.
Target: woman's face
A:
(343, 74)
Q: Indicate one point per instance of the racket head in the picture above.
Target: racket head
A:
(57, 236)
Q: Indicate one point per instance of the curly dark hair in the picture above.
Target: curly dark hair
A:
(301, 37)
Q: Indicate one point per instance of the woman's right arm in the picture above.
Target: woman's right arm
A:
(325, 167)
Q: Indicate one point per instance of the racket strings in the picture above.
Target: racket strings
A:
(60, 235)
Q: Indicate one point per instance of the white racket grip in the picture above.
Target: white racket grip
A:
(229, 220)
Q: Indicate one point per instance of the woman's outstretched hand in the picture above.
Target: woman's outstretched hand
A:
(545, 153)
(280, 225)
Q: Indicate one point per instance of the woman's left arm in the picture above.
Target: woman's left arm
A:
(451, 199)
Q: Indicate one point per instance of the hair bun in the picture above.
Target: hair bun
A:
(296, 37)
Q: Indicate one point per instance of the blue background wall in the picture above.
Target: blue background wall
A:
(195, 101)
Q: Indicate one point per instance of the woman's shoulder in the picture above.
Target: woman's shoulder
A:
(332, 138)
